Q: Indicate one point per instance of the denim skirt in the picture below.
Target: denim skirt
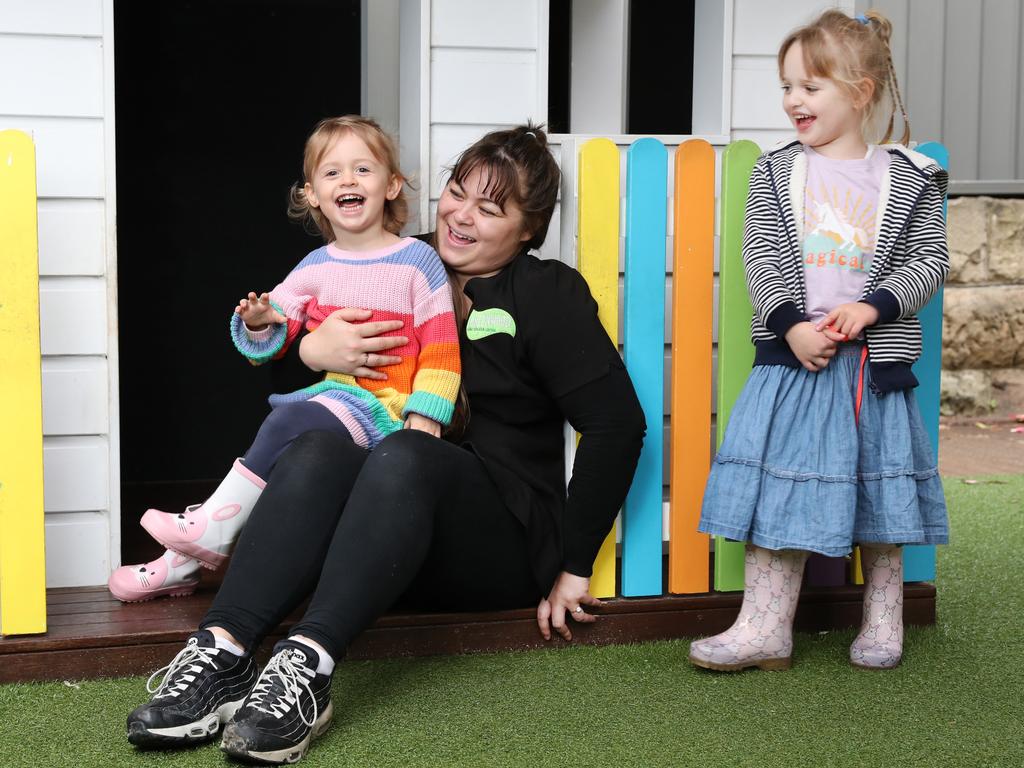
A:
(797, 470)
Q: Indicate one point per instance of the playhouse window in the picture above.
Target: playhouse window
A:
(616, 66)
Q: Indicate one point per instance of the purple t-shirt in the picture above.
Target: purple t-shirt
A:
(840, 207)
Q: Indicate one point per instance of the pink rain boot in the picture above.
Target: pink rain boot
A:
(170, 574)
(207, 531)
(762, 635)
(879, 645)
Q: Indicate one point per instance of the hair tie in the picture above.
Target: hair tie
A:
(531, 133)
(862, 19)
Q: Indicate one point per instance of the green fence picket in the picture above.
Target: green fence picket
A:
(735, 351)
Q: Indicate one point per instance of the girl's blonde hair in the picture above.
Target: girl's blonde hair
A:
(396, 212)
(848, 51)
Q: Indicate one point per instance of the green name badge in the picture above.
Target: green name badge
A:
(488, 322)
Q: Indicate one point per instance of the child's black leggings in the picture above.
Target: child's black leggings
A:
(416, 518)
(281, 427)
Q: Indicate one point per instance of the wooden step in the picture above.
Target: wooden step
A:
(90, 634)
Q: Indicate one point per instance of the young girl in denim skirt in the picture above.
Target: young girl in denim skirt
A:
(844, 243)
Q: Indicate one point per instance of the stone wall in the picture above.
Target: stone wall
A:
(983, 316)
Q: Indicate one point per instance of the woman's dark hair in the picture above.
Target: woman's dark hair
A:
(516, 165)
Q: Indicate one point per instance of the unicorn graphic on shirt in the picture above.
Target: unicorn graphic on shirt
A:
(833, 225)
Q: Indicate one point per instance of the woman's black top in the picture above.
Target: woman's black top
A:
(535, 355)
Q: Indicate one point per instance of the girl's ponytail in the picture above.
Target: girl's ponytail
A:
(883, 28)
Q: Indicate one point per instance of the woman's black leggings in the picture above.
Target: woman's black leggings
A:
(417, 517)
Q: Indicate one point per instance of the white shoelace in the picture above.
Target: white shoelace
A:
(189, 660)
(293, 676)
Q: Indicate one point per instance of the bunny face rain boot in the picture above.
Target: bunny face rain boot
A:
(762, 635)
(170, 574)
(207, 531)
(879, 644)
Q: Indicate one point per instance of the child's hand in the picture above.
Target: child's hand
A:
(423, 424)
(812, 347)
(849, 320)
(257, 313)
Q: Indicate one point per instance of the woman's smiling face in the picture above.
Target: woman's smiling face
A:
(475, 236)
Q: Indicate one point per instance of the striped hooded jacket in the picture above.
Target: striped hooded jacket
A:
(910, 263)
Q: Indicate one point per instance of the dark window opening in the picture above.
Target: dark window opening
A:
(660, 91)
(658, 68)
(214, 101)
(559, 65)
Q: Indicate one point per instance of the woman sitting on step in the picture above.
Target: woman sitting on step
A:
(483, 522)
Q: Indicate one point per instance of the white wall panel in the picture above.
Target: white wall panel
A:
(75, 396)
(550, 248)
(765, 138)
(76, 471)
(757, 95)
(73, 315)
(77, 549)
(447, 142)
(55, 76)
(71, 237)
(52, 17)
(484, 23)
(761, 26)
(476, 86)
(69, 154)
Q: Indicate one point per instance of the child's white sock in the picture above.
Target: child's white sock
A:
(326, 665)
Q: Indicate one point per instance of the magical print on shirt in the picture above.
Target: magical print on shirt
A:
(839, 230)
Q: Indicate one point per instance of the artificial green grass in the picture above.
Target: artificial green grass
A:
(955, 700)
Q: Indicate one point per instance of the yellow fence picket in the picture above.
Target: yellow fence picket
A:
(22, 552)
(598, 262)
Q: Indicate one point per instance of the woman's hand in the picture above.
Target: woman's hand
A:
(257, 313)
(423, 424)
(850, 320)
(568, 595)
(812, 347)
(341, 345)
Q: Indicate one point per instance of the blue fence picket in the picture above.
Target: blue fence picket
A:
(644, 341)
(919, 561)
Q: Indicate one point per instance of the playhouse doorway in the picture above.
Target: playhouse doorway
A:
(213, 103)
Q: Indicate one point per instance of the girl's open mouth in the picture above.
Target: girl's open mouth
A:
(803, 121)
(349, 202)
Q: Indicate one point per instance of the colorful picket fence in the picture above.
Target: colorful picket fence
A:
(22, 561)
(650, 239)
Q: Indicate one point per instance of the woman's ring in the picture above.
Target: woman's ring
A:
(366, 358)
(578, 609)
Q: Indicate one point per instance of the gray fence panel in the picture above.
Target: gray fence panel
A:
(960, 65)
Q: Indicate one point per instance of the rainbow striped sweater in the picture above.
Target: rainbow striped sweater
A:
(405, 281)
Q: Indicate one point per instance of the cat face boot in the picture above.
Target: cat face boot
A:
(762, 635)
(207, 531)
(879, 645)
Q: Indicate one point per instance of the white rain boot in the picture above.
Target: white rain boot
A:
(880, 642)
(207, 531)
(762, 635)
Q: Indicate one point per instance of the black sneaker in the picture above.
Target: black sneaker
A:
(202, 688)
(289, 707)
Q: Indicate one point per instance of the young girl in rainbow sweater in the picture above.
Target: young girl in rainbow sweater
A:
(844, 242)
(353, 194)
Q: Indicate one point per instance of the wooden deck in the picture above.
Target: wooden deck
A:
(90, 634)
